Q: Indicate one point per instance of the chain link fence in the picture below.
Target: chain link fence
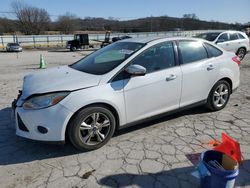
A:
(37, 41)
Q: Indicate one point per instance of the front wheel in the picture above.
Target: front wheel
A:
(219, 95)
(91, 128)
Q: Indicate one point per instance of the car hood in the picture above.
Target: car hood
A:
(61, 78)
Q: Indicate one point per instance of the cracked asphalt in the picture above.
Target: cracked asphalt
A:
(159, 153)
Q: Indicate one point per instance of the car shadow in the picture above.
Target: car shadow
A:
(147, 180)
(4, 51)
(16, 150)
(162, 118)
(59, 50)
(19, 150)
(168, 178)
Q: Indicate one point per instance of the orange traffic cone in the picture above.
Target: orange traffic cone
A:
(230, 147)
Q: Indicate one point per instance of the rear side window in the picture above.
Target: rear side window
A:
(241, 36)
(192, 51)
(233, 36)
(213, 51)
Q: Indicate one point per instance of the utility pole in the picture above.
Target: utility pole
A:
(151, 23)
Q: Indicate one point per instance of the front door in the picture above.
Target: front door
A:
(224, 42)
(159, 90)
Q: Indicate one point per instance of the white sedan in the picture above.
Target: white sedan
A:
(122, 84)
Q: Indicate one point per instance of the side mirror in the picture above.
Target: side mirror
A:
(136, 70)
(220, 41)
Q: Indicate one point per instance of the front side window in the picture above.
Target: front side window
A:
(223, 37)
(77, 37)
(106, 59)
(158, 57)
(192, 51)
(208, 36)
(234, 36)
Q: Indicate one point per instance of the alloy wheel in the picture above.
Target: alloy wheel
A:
(94, 128)
(221, 95)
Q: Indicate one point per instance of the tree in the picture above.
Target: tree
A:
(7, 26)
(191, 16)
(31, 20)
(67, 23)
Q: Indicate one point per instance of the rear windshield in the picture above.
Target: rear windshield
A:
(208, 36)
(106, 59)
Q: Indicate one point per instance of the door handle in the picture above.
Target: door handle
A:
(210, 67)
(171, 77)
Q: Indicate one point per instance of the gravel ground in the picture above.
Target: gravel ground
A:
(159, 153)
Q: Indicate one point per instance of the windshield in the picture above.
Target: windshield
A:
(106, 59)
(208, 36)
(13, 44)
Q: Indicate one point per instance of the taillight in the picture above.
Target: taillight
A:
(236, 60)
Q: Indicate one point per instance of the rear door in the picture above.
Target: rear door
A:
(198, 70)
(235, 42)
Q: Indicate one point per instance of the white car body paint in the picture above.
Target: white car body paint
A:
(133, 99)
(233, 45)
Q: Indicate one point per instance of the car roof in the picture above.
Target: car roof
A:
(220, 32)
(232, 31)
(143, 40)
(146, 40)
(212, 32)
(13, 43)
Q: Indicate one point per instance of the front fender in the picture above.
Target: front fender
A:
(101, 94)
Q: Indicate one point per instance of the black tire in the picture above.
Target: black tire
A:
(72, 49)
(211, 100)
(241, 53)
(75, 135)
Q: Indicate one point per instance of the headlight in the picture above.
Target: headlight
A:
(44, 101)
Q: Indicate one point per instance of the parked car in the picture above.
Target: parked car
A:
(114, 39)
(124, 83)
(235, 41)
(107, 40)
(14, 47)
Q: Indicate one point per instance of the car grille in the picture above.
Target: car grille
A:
(21, 125)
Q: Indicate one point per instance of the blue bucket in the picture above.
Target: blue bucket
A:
(217, 178)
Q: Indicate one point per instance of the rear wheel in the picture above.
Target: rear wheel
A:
(241, 53)
(91, 128)
(219, 95)
(73, 48)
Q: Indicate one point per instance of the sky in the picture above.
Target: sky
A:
(230, 11)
